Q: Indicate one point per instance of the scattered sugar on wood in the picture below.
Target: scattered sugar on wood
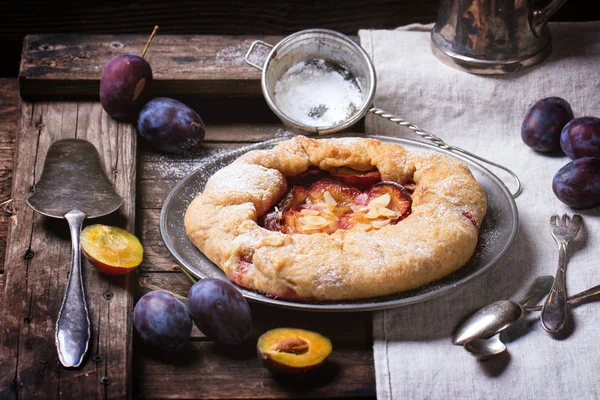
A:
(234, 55)
(318, 93)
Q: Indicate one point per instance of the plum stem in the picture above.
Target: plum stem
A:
(149, 40)
(191, 278)
(150, 286)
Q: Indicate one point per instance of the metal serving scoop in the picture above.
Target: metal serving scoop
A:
(73, 186)
(480, 334)
(496, 317)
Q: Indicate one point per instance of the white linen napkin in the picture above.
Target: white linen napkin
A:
(414, 356)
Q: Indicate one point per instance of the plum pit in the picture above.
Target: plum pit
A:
(292, 350)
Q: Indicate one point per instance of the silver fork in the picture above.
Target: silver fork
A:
(554, 311)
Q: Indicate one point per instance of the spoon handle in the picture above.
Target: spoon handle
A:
(593, 291)
(554, 310)
(73, 324)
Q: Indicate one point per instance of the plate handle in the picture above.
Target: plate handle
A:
(443, 145)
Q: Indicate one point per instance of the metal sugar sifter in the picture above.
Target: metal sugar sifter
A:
(294, 70)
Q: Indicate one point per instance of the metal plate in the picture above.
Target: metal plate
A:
(498, 232)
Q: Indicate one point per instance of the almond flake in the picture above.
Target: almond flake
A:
(372, 214)
(362, 227)
(381, 201)
(320, 206)
(329, 199)
(380, 223)
(313, 220)
(386, 212)
(308, 211)
(329, 215)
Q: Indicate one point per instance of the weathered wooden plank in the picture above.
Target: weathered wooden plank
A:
(203, 370)
(9, 100)
(35, 284)
(351, 330)
(152, 194)
(156, 254)
(220, 17)
(68, 64)
(245, 133)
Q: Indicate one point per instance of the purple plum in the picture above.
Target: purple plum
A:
(581, 138)
(577, 184)
(544, 122)
(125, 86)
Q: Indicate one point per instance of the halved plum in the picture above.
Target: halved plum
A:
(112, 250)
(338, 197)
(294, 197)
(400, 201)
(327, 206)
(292, 350)
(306, 220)
(306, 178)
(358, 179)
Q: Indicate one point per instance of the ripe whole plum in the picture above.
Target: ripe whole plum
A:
(162, 320)
(220, 311)
(544, 122)
(170, 126)
(581, 138)
(577, 184)
(125, 85)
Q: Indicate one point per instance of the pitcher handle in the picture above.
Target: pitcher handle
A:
(542, 15)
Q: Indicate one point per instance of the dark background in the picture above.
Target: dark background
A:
(226, 17)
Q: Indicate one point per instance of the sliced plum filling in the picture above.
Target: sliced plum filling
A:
(321, 201)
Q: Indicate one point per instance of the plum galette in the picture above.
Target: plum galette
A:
(337, 219)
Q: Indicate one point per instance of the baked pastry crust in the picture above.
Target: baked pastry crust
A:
(438, 237)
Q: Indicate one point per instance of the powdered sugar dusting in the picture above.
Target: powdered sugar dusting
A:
(318, 93)
(234, 55)
(284, 134)
(173, 167)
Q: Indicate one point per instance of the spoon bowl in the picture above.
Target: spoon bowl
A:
(475, 334)
(488, 321)
(484, 349)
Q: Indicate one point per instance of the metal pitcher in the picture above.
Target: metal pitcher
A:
(493, 36)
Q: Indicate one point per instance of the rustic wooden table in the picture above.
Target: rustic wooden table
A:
(58, 81)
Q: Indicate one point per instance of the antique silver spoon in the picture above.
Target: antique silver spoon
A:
(498, 316)
(481, 335)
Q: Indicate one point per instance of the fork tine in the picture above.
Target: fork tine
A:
(577, 220)
(553, 220)
(565, 220)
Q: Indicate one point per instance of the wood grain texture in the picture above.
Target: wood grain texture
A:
(9, 100)
(72, 65)
(233, 17)
(37, 263)
(205, 370)
(202, 373)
